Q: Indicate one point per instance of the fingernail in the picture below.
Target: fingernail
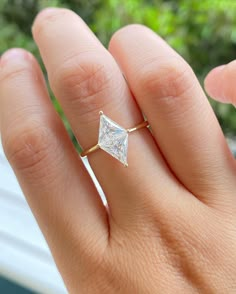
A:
(46, 11)
(42, 14)
(213, 88)
(13, 54)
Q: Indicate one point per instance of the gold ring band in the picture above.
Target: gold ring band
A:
(144, 124)
(113, 138)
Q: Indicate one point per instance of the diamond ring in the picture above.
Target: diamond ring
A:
(113, 138)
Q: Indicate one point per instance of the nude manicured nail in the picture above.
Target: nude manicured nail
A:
(45, 12)
(215, 89)
(12, 55)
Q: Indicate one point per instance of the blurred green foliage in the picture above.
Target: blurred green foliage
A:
(203, 32)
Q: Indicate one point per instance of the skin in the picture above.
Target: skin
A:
(170, 226)
(220, 83)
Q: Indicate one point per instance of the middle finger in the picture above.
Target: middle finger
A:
(86, 79)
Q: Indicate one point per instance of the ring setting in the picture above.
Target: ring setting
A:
(113, 138)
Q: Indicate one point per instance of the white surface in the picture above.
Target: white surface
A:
(24, 254)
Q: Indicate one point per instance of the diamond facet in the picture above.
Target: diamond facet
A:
(113, 139)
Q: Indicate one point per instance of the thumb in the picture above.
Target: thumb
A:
(220, 83)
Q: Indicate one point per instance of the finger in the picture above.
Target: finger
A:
(182, 120)
(55, 183)
(220, 83)
(86, 79)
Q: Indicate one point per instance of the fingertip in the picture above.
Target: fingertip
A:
(45, 13)
(15, 55)
(49, 15)
(213, 83)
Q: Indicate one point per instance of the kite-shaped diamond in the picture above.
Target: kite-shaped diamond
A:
(113, 139)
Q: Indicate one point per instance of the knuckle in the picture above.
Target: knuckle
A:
(112, 275)
(85, 84)
(166, 79)
(27, 146)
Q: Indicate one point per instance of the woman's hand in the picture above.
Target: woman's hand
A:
(171, 222)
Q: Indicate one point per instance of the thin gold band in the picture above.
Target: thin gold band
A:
(144, 124)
